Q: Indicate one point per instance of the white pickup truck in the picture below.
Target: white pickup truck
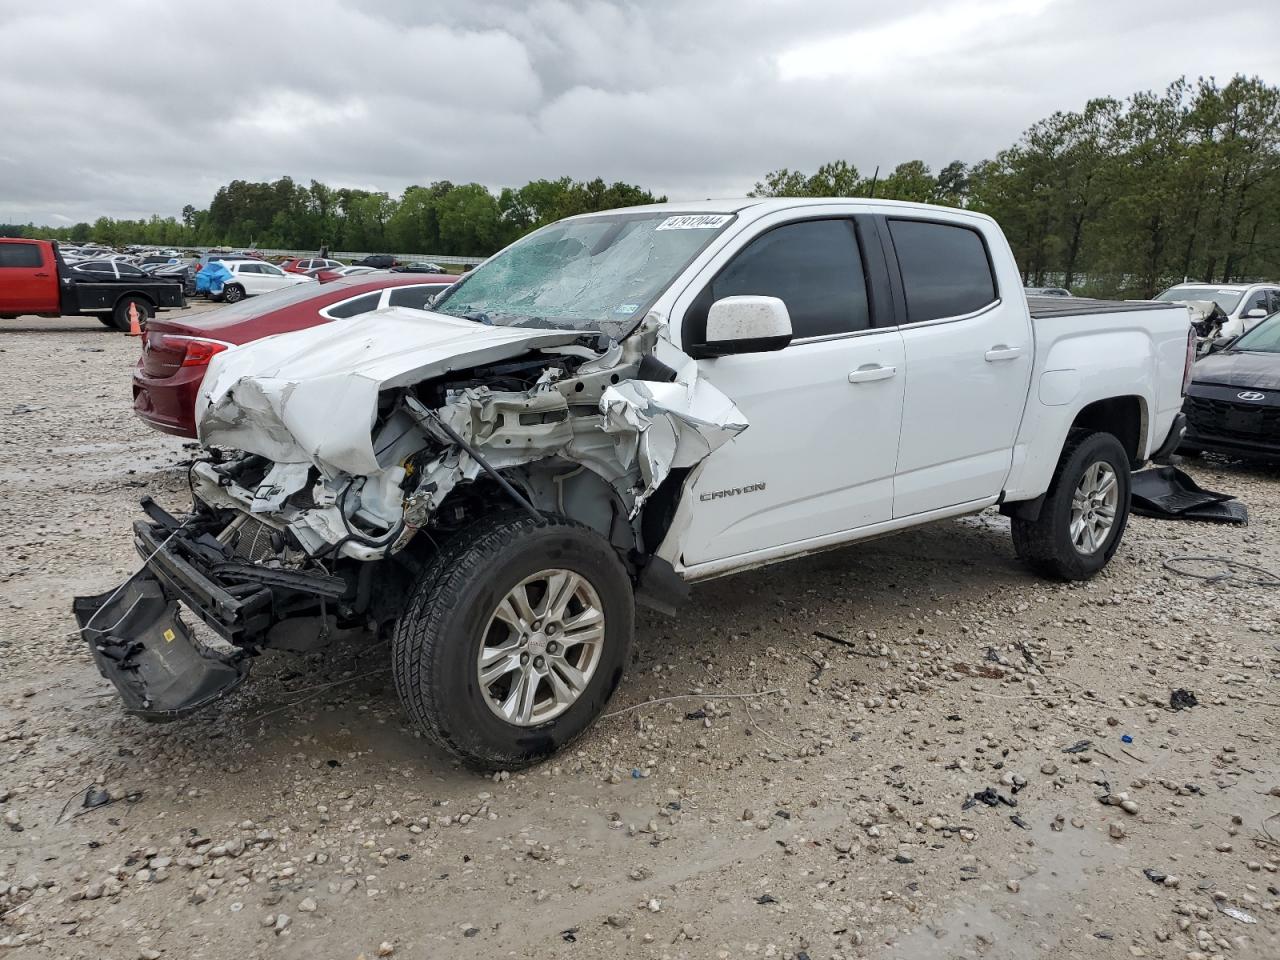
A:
(610, 408)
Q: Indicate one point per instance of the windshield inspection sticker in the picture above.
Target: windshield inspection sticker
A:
(704, 221)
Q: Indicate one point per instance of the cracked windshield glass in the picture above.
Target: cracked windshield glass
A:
(597, 274)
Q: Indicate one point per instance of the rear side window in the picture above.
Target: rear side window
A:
(415, 297)
(350, 308)
(20, 255)
(945, 270)
(814, 267)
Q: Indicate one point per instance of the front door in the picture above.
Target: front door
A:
(28, 284)
(818, 455)
(969, 355)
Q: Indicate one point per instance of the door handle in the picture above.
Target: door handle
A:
(867, 373)
(1001, 352)
(42, 274)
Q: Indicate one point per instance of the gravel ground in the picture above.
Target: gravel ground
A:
(810, 793)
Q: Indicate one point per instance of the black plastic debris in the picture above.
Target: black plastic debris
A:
(899, 858)
(1181, 699)
(1019, 822)
(992, 798)
(765, 898)
(696, 715)
(96, 797)
(1155, 876)
(1166, 493)
(570, 935)
(1080, 746)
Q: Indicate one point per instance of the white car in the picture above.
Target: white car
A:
(612, 407)
(252, 277)
(1245, 304)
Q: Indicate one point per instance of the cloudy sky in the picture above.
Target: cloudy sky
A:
(131, 107)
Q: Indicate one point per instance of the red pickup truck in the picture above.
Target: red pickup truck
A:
(35, 280)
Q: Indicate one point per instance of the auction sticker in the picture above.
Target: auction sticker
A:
(701, 221)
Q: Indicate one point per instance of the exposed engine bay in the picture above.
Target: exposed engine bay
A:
(324, 488)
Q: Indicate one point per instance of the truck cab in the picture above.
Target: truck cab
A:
(28, 277)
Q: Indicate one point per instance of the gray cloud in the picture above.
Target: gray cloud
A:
(140, 106)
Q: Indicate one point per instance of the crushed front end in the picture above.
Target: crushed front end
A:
(326, 490)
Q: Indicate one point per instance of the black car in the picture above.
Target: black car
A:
(379, 261)
(1233, 401)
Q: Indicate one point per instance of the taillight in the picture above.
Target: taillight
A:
(195, 351)
(1191, 359)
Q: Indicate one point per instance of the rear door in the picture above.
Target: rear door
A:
(818, 456)
(969, 353)
(28, 278)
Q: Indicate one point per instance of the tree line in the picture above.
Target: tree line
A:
(1120, 198)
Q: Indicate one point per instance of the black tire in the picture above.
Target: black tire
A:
(232, 293)
(106, 319)
(120, 316)
(438, 637)
(1045, 544)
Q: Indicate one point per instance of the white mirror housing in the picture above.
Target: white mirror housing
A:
(747, 325)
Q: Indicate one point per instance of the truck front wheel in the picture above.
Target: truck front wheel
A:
(1084, 513)
(514, 639)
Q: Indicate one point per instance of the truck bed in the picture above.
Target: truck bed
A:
(1044, 307)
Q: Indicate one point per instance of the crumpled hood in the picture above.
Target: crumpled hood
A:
(312, 395)
(1239, 369)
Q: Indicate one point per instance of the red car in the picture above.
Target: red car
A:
(176, 352)
(303, 264)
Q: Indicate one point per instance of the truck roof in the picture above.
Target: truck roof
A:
(763, 205)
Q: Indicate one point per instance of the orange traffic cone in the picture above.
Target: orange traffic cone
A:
(134, 329)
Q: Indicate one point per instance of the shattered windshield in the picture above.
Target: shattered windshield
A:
(1226, 299)
(595, 274)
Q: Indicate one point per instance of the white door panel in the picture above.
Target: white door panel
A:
(966, 388)
(820, 450)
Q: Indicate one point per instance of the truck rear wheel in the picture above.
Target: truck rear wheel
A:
(1084, 513)
(120, 316)
(106, 319)
(514, 639)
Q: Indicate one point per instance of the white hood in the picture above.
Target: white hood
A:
(312, 395)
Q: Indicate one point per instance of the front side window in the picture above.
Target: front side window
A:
(1256, 302)
(945, 269)
(814, 267)
(594, 274)
(129, 270)
(349, 308)
(415, 296)
(20, 255)
(269, 270)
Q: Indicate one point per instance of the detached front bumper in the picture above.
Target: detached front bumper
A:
(162, 669)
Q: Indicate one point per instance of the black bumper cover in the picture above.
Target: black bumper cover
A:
(140, 642)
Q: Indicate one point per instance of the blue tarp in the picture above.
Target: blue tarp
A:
(211, 277)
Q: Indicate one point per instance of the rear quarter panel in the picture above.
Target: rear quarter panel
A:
(1083, 359)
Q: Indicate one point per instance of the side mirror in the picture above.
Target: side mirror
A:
(746, 325)
(1256, 312)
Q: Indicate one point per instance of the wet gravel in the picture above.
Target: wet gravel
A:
(907, 748)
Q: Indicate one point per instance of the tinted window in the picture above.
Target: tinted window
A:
(247, 268)
(97, 266)
(1257, 302)
(129, 270)
(415, 297)
(813, 267)
(359, 305)
(945, 271)
(20, 255)
(269, 270)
